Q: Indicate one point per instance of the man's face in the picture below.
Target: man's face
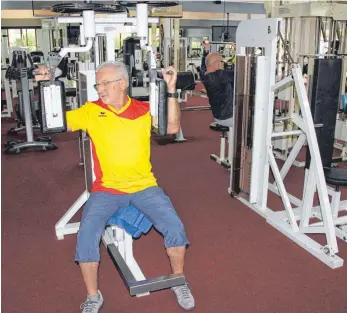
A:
(219, 64)
(108, 86)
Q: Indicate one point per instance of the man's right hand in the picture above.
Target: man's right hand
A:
(206, 44)
(42, 73)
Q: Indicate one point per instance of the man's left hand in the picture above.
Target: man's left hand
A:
(170, 76)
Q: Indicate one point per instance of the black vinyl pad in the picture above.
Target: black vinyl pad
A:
(336, 177)
(162, 107)
(70, 92)
(185, 81)
(324, 105)
(220, 128)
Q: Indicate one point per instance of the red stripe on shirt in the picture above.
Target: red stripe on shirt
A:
(135, 110)
(97, 184)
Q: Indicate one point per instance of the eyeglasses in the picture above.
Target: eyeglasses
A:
(104, 84)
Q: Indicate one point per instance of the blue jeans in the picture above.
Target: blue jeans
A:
(152, 202)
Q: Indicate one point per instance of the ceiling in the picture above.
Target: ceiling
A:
(196, 14)
(238, 6)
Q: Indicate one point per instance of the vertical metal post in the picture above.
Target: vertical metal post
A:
(4, 56)
(324, 28)
(110, 54)
(285, 64)
(97, 56)
(24, 81)
(154, 37)
(167, 41)
(317, 34)
(289, 38)
(176, 45)
(334, 36)
(331, 21)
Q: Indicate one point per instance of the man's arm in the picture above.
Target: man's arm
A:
(174, 110)
(173, 115)
(206, 51)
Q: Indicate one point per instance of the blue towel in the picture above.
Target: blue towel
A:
(131, 220)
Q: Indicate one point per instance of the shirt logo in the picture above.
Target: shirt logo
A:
(102, 114)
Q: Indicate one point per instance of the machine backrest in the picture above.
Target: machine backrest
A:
(324, 105)
(37, 56)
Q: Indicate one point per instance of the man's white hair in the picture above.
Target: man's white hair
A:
(119, 69)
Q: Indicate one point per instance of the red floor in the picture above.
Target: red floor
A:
(237, 263)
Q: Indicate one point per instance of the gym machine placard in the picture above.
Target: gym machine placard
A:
(52, 108)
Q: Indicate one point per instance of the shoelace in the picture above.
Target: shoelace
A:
(183, 292)
(88, 306)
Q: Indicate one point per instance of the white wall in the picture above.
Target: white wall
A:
(20, 22)
(198, 32)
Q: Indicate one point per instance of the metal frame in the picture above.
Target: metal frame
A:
(116, 240)
(263, 33)
(24, 96)
(300, 19)
(223, 159)
(4, 55)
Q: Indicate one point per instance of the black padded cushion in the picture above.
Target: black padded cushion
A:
(324, 105)
(70, 92)
(141, 98)
(336, 176)
(219, 128)
(162, 107)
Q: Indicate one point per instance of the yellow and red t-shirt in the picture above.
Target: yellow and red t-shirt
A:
(120, 144)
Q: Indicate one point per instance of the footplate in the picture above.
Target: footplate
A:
(144, 286)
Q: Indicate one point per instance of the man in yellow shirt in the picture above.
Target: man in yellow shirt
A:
(120, 129)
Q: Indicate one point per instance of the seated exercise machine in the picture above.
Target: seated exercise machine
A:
(27, 116)
(252, 154)
(226, 132)
(324, 105)
(20, 59)
(127, 222)
(221, 159)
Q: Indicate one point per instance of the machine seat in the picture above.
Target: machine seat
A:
(336, 177)
(219, 128)
(70, 92)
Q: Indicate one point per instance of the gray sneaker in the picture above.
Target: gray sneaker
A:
(184, 296)
(92, 305)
